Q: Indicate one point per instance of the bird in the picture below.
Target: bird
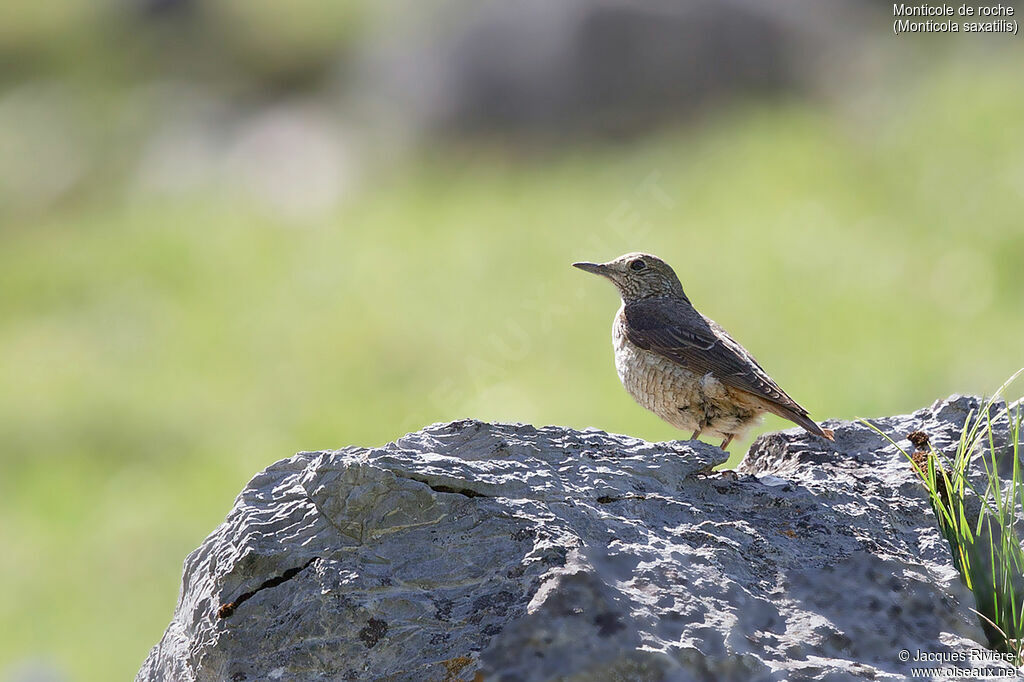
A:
(681, 365)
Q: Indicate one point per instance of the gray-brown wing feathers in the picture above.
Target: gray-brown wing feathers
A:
(675, 330)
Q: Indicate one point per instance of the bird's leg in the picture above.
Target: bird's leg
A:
(726, 441)
(696, 435)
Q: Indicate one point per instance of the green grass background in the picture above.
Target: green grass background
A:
(157, 353)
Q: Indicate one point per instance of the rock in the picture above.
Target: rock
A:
(534, 67)
(474, 551)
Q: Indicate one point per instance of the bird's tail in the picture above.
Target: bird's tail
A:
(802, 419)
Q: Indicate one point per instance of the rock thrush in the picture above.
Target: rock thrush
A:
(682, 366)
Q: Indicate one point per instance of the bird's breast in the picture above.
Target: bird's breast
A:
(655, 382)
(685, 399)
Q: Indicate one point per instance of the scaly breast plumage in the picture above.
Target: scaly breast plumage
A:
(677, 395)
(655, 382)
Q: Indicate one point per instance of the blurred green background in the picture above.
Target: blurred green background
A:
(187, 297)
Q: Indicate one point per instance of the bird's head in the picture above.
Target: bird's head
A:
(637, 276)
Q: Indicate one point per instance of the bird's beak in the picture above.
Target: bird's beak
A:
(595, 268)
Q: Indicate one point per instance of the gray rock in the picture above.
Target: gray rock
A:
(597, 66)
(507, 552)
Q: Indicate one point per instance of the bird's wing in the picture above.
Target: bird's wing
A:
(675, 330)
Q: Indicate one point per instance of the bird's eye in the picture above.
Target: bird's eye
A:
(637, 265)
